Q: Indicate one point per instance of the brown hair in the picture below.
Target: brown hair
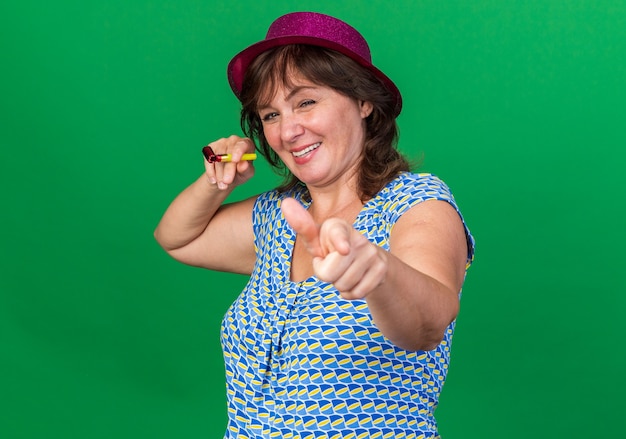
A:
(381, 162)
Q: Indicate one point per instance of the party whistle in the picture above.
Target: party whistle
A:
(211, 157)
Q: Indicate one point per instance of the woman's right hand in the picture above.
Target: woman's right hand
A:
(200, 229)
(235, 172)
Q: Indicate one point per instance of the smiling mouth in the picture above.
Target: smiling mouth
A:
(306, 150)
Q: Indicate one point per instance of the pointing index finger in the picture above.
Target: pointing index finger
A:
(303, 224)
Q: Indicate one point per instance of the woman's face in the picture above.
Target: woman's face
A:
(317, 132)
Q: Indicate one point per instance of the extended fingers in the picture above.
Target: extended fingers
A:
(341, 255)
(356, 273)
(335, 236)
(303, 224)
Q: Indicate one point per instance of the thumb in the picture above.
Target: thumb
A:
(303, 224)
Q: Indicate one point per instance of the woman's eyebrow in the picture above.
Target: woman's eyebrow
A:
(294, 91)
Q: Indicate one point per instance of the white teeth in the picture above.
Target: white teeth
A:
(306, 150)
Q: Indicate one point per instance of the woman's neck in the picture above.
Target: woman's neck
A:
(342, 203)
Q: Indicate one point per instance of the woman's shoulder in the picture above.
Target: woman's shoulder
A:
(415, 186)
(409, 189)
(275, 195)
(406, 191)
(268, 203)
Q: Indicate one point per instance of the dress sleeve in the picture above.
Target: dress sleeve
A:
(412, 189)
(266, 207)
(267, 220)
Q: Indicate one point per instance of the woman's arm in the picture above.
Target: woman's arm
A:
(198, 229)
(425, 269)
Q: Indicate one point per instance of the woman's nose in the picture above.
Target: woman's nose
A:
(290, 127)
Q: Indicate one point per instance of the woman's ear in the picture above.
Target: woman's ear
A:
(366, 108)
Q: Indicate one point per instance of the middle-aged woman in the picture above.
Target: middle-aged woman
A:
(356, 264)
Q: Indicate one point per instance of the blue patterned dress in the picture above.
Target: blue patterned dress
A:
(303, 363)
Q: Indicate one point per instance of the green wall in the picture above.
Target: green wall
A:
(104, 108)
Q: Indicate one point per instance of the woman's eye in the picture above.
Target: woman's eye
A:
(307, 102)
(268, 117)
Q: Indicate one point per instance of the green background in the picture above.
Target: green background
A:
(104, 108)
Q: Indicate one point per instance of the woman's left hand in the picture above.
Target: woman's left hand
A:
(341, 255)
